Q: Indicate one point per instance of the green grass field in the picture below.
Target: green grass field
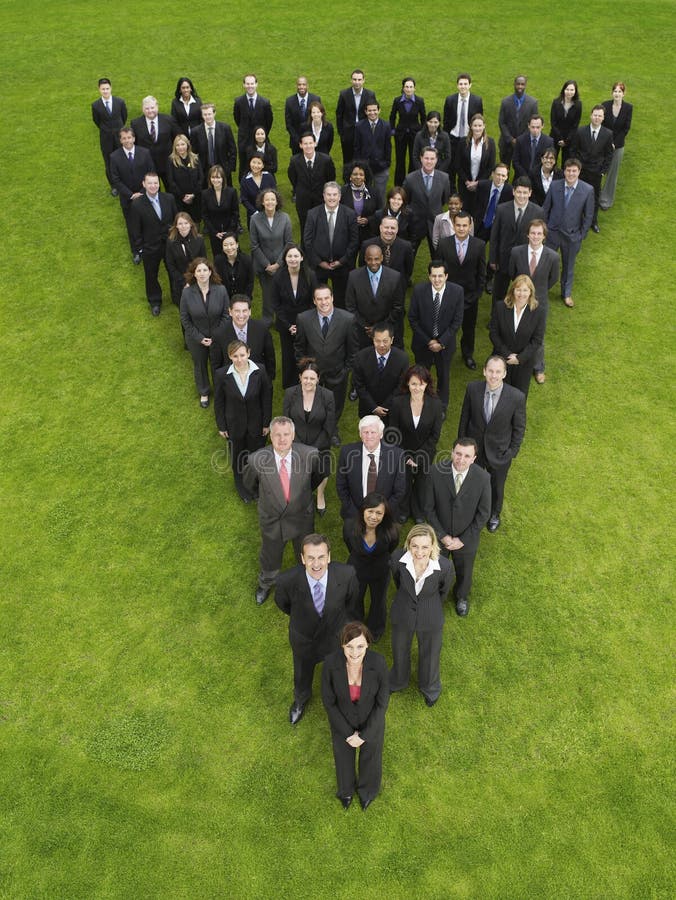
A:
(144, 745)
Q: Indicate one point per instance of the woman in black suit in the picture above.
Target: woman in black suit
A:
(235, 267)
(185, 176)
(618, 118)
(243, 407)
(184, 244)
(407, 117)
(517, 329)
(293, 286)
(371, 537)
(312, 409)
(543, 175)
(355, 194)
(356, 694)
(476, 159)
(264, 148)
(416, 417)
(219, 208)
(186, 107)
(203, 311)
(423, 579)
(431, 135)
(255, 181)
(564, 118)
(318, 125)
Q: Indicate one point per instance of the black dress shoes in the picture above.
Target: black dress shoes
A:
(462, 606)
(353, 395)
(261, 595)
(366, 803)
(154, 310)
(136, 257)
(345, 801)
(493, 524)
(596, 229)
(204, 402)
(296, 714)
(429, 702)
(470, 362)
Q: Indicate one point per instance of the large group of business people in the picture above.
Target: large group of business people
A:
(341, 328)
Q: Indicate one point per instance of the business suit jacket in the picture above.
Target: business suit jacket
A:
(423, 611)
(470, 274)
(367, 715)
(317, 427)
(505, 235)
(318, 248)
(546, 272)
(182, 180)
(295, 122)
(463, 164)
(161, 147)
(539, 192)
(391, 480)
(109, 124)
(595, 155)
(513, 123)
(442, 146)
(346, 111)
(128, 179)
(374, 146)
(247, 121)
(186, 123)
(421, 317)
(403, 122)
(267, 244)
(426, 206)
(574, 220)
(285, 303)
(258, 340)
(524, 341)
(619, 126)
(401, 256)
(498, 440)
(237, 278)
(333, 352)
(375, 388)
(242, 416)
(225, 151)
(223, 216)
(418, 443)
(269, 154)
(200, 320)
(460, 515)
(562, 124)
(325, 139)
(278, 520)
(451, 105)
(312, 635)
(521, 160)
(483, 197)
(387, 305)
(178, 256)
(308, 184)
(148, 232)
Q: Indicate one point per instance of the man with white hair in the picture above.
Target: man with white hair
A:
(155, 131)
(369, 465)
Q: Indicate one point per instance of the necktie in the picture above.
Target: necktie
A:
(490, 212)
(153, 132)
(284, 478)
(435, 314)
(569, 194)
(130, 157)
(458, 483)
(309, 165)
(318, 597)
(386, 255)
(488, 406)
(108, 107)
(594, 134)
(241, 335)
(428, 183)
(302, 108)
(533, 263)
(519, 216)
(251, 104)
(533, 146)
(462, 129)
(373, 127)
(461, 252)
(332, 226)
(157, 207)
(374, 283)
(381, 363)
(325, 326)
(212, 153)
(371, 475)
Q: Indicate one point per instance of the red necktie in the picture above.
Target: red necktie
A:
(533, 263)
(284, 478)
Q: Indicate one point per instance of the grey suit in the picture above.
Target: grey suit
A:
(568, 225)
(333, 352)
(544, 278)
(504, 235)
(267, 245)
(426, 204)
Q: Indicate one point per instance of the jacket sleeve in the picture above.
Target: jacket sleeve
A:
(375, 723)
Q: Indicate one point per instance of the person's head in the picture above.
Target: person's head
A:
(315, 554)
(537, 232)
(521, 292)
(371, 430)
(417, 381)
(282, 432)
(331, 194)
(383, 338)
(240, 309)
(184, 89)
(372, 111)
(292, 256)
(208, 114)
(216, 177)
(260, 136)
(180, 149)
(461, 224)
(373, 257)
(238, 353)
(105, 88)
(495, 371)
(395, 199)
(428, 160)
(358, 176)
(500, 174)
(307, 144)
(200, 270)
(421, 542)
(433, 121)
(464, 83)
(322, 298)
(308, 373)
(571, 170)
(374, 510)
(569, 92)
(250, 84)
(597, 116)
(477, 127)
(464, 453)
(522, 190)
(269, 201)
(389, 229)
(437, 273)
(317, 112)
(230, 244)
(183, 226)
(619, 90)
(127, 138)
(355, 639)
(301, 86)
(151, 184)
(256, 164)
(454, 204)
(357, 79)
(548, 160)
(520, 85)
(408, 86)
(535, 126)
(150, 107)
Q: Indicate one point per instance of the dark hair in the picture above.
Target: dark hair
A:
(618, 84)
(387, 527)
(307, 363)
(198, 260)
(215, 170)
(523, 181)
(107, 81)
(262, 193)
(256, 156)
(408, 78)
(239, 298)
(356, 72)
(464, 75)
(315, 539)
(496, 356)
(354, 630)
(399, 191)
(421, 372)
(382, 326)
(598, 106)
(466, 442)
(576, 95)
(322, 109)
(433, 114)
(230, 234)
(462, 214)
(193, 90)
(436, 264)
(233, 346)
(535, 116)
(572, 161)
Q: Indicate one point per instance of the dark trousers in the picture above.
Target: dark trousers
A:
(429, 655)
(403, 145)
(201, 356)
(289, 366)
(442, 363)
(370, 766)
(339, 389)
(498, 478)
(594, 179)
(377, 616)
(151, 269)
(556, 240)
(469, 317)
(463, 563)
(271, 555)
(303, 673)
(500, 286)
(412, 504)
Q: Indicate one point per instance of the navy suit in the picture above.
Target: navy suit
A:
(374, 146)
(405, 124)
(308, 184)
(374, 386)
(127, 178)
(421, 317)
(568, 225)
(391, 480)
(386, 305)
(225, 151)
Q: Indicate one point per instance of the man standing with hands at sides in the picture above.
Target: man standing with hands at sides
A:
(397, 253)
(109, 114)
(151, 216)
(369, 465)
(428, 190)
(319, 597)
(530, 146)
(593, 146)
(515, 112)
(214, 143)
(377, 372)
(373, 143)
(282, 477)
(375, 294)
(458, 111)
(331, 240)
(155, 131)
(296, 112)
(128, 167)
(250, 111)
(351, 108)
(458, 505)
(510, 227)
(308, 173)
(569, 212)
(494, 415)
(435, 315)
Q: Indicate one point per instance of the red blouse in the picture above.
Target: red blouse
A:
(355, 692)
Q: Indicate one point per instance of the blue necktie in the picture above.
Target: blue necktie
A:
(490, 212)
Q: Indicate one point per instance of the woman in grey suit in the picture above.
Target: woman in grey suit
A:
(270, 231)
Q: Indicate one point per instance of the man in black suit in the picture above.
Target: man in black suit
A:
(435, 315)
(155, 131)
(515, 112)
(593, 146)
(509, 229)
(250, 111)
(152, 214)
(369, 465)
(214, 143)
(308, 172)
(397, 253)
(373, 144)
(457, 506)
(427, 190)
(319, 597)
(458, 111)
(109, 114)
(494, 414)
(327, 334)
(541, 264)
(128, 167)
(377, 372)
(241, 327)
(465, 258)
(490, 193)
(351, 108)
(530, 146)
(331, 239)
(374, 294)
(296, 112)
